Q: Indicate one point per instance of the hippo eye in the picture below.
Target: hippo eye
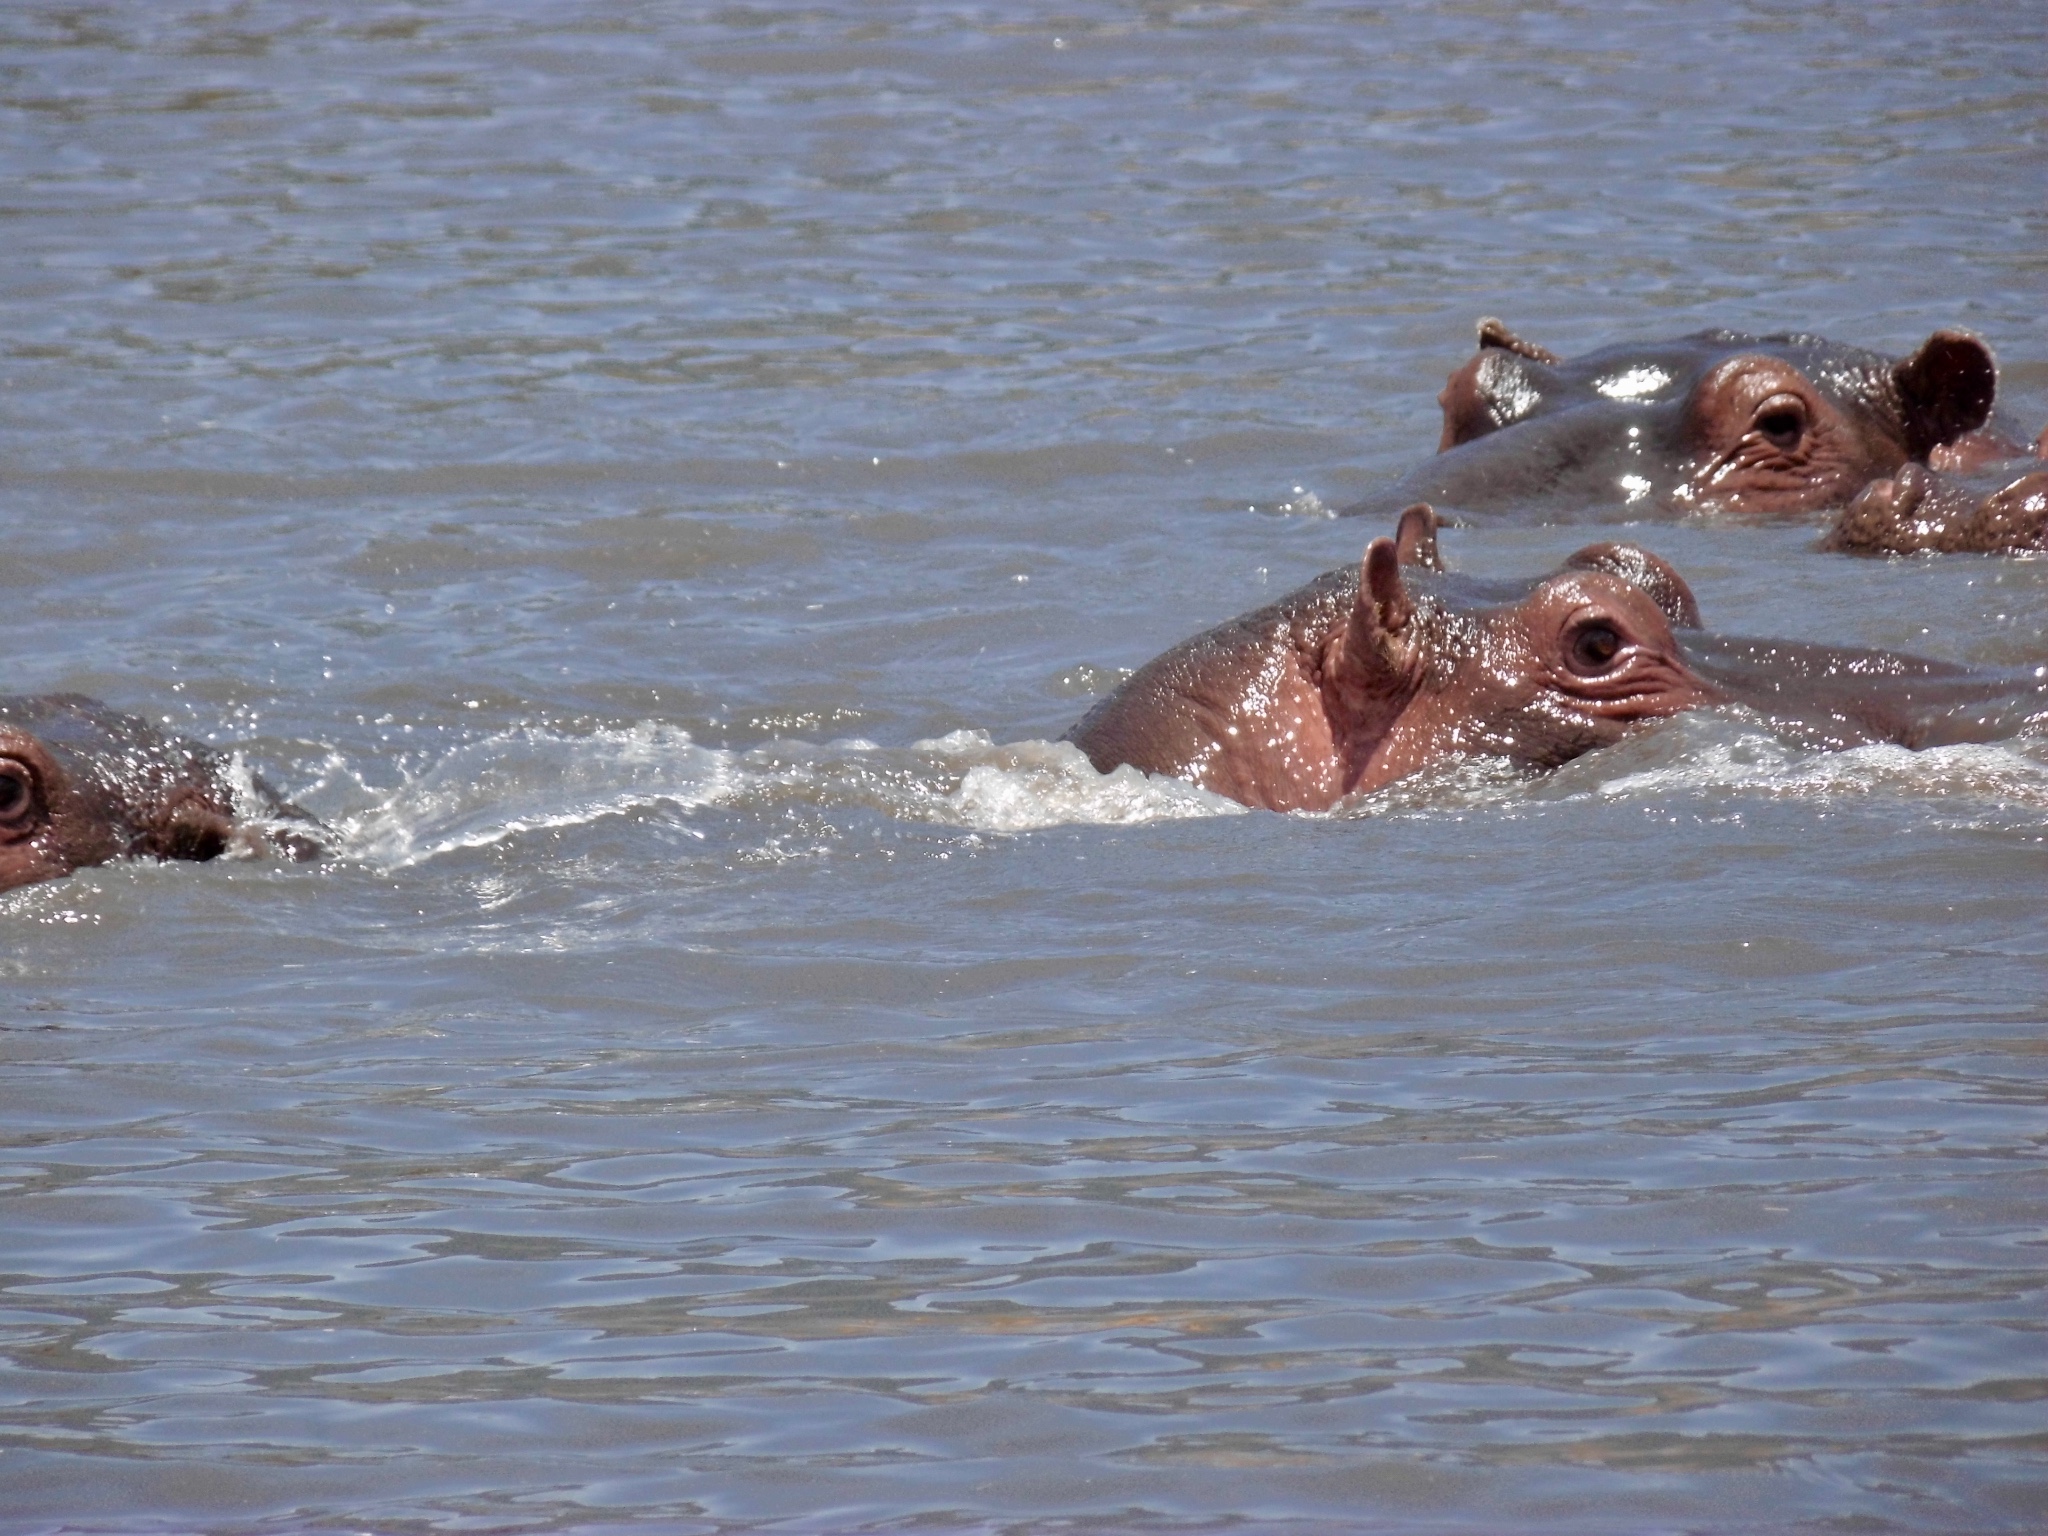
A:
(17, 796)
(1782, 420)
(1593, 647)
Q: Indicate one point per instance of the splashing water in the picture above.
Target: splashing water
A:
(527, 780)
(497, 787)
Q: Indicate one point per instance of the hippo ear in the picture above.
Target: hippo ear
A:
(1415, 538)
(1501, 383)
(1383, 599)
(1945, 389)
(1494, 334)
(1379, 639)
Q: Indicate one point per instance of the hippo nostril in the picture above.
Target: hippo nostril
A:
(1897, 497)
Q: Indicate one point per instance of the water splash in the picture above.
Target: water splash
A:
(486, 791)
(1716, 756)
(500, 786)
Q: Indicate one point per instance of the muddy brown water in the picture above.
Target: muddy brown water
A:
(659, 478)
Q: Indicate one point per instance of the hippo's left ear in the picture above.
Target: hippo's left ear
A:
(1374, 672)
(1384, 602)
(1945, 389)
(1415, 537)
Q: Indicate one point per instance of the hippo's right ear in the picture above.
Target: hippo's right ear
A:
(1945, 390)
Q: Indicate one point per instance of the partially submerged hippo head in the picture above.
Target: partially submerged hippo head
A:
(81, 784)
(1717, 422)
(1366, 676)
(1922, 511)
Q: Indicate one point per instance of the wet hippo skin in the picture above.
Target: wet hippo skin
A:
(1990, 500)
(1365, 676)
(1718, 422)
(81, 784)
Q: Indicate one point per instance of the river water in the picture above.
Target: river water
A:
(658, 480)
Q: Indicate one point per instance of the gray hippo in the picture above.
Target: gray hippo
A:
(1717, 422)
(1989, 500)
(81, 784)
(1365, 676)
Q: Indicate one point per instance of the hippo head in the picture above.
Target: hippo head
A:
(1720, 422)
(1393, 667)
(81, 784)
(1418, 678)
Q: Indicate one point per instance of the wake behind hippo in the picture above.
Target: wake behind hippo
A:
(1364, 677)
(1716, 422)
(81, 784)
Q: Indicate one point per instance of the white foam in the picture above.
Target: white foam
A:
(500, 786)
(1995, 771)
(1043, 784)
(1714, 755)
(521, 781)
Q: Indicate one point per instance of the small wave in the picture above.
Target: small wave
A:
(1712, 755)
(523, 781)
(500, 786)
(1300, 502)
(1034, 784)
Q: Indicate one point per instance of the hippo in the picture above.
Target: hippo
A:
(1365, 676)
(81, 784)
(1715, 422)
(1991, 499)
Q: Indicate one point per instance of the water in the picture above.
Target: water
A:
(658, 479)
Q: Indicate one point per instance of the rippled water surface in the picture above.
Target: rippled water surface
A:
(659, 479)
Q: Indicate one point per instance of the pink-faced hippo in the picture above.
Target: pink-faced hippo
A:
(1992, 500)
(1718, 422)
(81, 784)
(1366, 676)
